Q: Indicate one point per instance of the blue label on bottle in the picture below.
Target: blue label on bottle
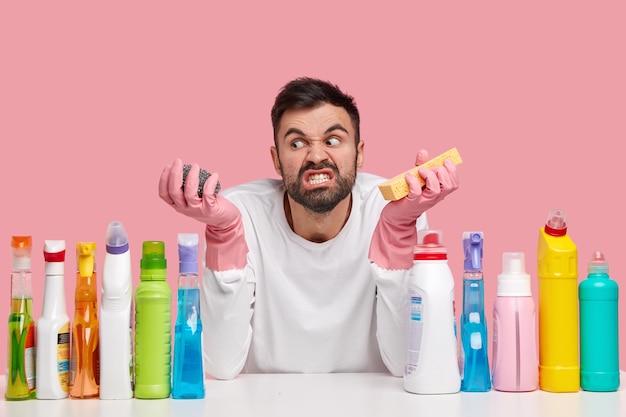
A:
(416, 308)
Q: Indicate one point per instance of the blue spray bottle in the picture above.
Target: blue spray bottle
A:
(188, 375)
(475, 364)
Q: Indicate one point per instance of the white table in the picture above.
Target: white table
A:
(325, 395)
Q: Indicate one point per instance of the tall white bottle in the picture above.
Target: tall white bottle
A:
(116, 362)
(432, 354)
(53, 328)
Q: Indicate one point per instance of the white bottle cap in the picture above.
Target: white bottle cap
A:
(513, 281)
(598, 264)
(54, 257)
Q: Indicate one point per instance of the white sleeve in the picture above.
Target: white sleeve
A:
(390, 312)
(226, 310)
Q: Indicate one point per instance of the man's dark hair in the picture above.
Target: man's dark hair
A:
(306, 92)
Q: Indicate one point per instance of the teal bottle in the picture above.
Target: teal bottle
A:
(599, 336)
(153, 327)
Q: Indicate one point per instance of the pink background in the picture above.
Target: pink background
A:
(96, 99)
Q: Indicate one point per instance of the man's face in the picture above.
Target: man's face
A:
(317, 156)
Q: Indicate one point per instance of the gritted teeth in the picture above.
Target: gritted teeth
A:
(318, 178)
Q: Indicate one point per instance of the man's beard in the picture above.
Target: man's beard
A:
(320, 200)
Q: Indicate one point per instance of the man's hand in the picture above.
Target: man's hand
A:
(212, 209)
(440, 181)
(226, 247)
(396, 235)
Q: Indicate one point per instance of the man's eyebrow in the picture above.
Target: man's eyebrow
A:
(336, 126)
(295, 130)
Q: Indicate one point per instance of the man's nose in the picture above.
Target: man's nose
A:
(317, 152)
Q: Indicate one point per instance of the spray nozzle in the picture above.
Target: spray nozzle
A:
(473, 250)
(86, 258)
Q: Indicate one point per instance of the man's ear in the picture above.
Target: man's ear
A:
(360, 154)
(275, 160)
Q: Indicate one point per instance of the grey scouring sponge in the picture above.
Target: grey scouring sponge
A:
(203, 176)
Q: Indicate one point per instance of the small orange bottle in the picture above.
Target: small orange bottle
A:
(85, 353)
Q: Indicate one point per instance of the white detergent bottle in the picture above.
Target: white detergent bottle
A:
(432, 354)
(116, 364)
(53, 328)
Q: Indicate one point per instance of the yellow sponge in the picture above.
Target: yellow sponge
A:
(395, 188)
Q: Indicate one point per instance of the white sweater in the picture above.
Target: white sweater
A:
(304, 307)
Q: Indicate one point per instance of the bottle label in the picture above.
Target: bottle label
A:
(29, 357)
(63, 356)
(416, 308)
(415, 332)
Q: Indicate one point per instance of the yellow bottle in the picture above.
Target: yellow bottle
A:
(557, 270)
(85, 353)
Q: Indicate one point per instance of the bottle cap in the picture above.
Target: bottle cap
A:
(188, 252)
(473, 250)
(54, 256)
(86, 258)
(514, 281)
(153, 255)
(429, 245)
(116, 238)
(556, 224)
(598, 264)
(21, 248)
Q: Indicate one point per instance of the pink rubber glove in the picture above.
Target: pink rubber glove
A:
(395, 235)
(226, 243)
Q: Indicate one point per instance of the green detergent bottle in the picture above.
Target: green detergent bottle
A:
(153, 333)
(20, 380)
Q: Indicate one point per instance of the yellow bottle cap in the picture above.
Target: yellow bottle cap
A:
(86, 258)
